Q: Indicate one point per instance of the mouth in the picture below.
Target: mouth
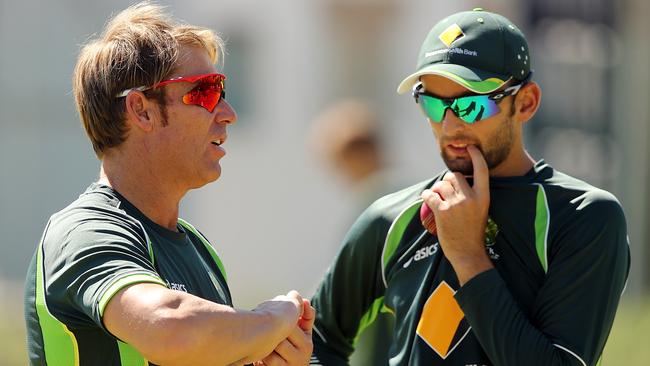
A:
(219, 141)
(458, 148)
(458, 145)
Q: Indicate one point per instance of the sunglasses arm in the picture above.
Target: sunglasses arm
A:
(127, 91)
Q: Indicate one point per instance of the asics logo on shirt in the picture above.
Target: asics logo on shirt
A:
(422, 253)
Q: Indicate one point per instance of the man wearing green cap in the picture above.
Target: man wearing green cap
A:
(498, 260)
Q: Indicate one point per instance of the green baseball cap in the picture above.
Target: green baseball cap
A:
(477, 49)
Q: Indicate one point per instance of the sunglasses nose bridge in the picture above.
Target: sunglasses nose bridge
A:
(450, 105)
(454, 107)
(446, 109)
(451, 123)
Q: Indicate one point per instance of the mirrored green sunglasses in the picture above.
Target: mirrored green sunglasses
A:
(470, 109)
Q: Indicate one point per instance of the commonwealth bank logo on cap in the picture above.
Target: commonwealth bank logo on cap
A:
(476, 49)
(452, 33)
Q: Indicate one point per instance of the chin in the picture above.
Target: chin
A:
(213, 176)
(461, 166)
(206, 178)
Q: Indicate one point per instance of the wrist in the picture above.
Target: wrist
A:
(468, 266)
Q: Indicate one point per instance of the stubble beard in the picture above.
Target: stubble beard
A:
(499, 144)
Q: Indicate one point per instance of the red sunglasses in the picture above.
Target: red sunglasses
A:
(208, 93)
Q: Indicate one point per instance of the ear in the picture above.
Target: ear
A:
(527, 101)
(139, 111)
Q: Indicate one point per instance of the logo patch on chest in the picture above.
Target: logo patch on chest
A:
(442, 324)
(491, 232)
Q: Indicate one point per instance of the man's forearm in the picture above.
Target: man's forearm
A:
(173, 327)
(506, 334)
(216, 334)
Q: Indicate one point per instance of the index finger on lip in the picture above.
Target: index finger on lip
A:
(481, 171)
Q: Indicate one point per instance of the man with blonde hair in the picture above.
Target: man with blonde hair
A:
(118, 278)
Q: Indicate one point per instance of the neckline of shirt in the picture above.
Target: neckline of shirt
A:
(179, 237)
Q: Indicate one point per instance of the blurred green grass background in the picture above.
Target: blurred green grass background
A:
(628, 342)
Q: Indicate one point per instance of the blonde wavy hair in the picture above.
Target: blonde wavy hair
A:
(139, 46)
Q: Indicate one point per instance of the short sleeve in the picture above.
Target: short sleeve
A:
(87, 261)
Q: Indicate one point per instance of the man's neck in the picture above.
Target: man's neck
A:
(140, 184)
(518, 165)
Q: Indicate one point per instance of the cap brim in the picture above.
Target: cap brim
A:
(475, 80)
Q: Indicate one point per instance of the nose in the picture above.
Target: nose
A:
(225, 113)
(451, 124)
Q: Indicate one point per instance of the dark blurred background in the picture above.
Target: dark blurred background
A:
(279, 211)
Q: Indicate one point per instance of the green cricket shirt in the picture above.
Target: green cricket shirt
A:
(561, 256)
(89, 251)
